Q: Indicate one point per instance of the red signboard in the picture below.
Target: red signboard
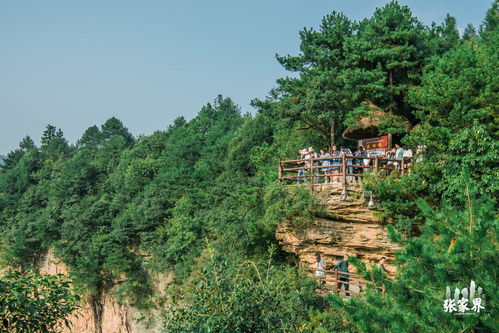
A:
(377, 146)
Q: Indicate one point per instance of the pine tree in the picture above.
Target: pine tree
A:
(27, 143)
(91, 138)
(456, 246)
(444, 37)
(112, 127)
(321, 96)
(54, 144)
(456, 106)
(392, 42)
(15, 156)
(491, 22)
(469, 32)
(48, 134)
(345, 65)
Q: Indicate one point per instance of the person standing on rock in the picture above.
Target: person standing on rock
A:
(342, 266)
(320, 268)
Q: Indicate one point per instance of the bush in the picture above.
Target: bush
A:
(228, 296)
(30, 302)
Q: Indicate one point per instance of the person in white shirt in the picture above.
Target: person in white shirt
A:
(408, 153)
(399, 154)
(320, 267)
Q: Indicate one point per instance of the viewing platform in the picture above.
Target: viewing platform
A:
(348, 223)
(346, 168)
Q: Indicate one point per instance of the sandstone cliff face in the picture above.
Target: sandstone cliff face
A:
(348, 227)
(103, 314)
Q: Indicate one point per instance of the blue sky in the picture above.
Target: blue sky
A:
(75, 64)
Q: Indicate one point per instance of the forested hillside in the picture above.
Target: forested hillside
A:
(200, 198)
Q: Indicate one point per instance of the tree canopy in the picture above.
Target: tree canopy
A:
(200, 198)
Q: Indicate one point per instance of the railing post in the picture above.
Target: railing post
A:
(311, 167)
(344, 169)
(336, 282)
(376, 166)
(402, 166)
(279, 171)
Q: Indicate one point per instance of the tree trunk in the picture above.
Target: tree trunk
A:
(333, 134)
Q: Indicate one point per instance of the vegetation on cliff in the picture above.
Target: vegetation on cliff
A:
(200, 198)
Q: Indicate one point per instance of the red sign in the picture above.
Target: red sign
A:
(377, 145)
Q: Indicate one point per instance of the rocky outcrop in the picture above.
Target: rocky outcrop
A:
(101, 313)
(347, 227)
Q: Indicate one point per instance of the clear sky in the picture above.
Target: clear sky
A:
(75, 64)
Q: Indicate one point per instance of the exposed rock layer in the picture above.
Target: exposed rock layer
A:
(348, 227)
(103, 313)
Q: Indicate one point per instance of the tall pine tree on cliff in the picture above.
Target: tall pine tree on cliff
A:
(320, 97)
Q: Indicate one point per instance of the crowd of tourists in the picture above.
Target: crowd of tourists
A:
(329, 162)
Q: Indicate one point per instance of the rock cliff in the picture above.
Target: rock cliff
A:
(103, 313)
(348, 227)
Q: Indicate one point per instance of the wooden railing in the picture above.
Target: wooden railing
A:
(332, 281)
(312, 167)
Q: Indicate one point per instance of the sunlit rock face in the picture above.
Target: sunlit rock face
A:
(347, 227)
(104, 314)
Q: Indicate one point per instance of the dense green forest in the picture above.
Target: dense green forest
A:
(200, 198)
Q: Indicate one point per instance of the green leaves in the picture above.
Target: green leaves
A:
(114, 207)
(456, 245)
(344, 64)
(457, 107)
(30, 302)
(229, 295)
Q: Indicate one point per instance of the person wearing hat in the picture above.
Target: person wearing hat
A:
(303, 153)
